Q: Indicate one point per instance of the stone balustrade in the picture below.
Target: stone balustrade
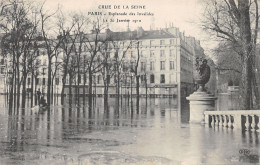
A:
(235, 119)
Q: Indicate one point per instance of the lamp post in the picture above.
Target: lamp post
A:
(131, 85)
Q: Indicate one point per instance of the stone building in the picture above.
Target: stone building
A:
(165, 66)
(165, 60)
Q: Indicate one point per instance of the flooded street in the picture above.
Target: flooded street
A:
(155, 132)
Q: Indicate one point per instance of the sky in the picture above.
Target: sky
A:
(185, 14)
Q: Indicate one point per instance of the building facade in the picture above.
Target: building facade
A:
(164, 57)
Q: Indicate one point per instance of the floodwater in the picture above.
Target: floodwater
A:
(155, 132)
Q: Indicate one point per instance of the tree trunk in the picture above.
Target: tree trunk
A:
(245, 90)
(105, 92)
(146, 88)
(12, 84)
(52, 89)
(245, 33)
(78, 84)
(32, 77)
(24, 87)
(84, 87)
(15, 88)
(49, 82)
(137, 86)
(90, 86)
(62, 90)
(118, 84)
(70, 90)
(18, 87)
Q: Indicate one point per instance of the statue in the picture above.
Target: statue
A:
(202, 73)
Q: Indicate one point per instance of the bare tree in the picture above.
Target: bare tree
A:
(135, 66)
(118, 61)
(94, 46)
(232, 22)
(51, 44)
(69, 40)
(19, 43)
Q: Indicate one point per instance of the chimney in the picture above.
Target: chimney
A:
(108, 30)
(140, 31)
(128, 28)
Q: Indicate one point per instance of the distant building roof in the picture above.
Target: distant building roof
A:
(139, 34)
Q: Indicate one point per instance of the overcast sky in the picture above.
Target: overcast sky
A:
(184, 14)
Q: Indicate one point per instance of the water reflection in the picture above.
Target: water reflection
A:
(128, 130)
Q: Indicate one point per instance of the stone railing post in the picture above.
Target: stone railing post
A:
(219, 119)
(207, 119)
(253, 124)
(258, 124)
(247, 124)
(231, 117)
(229, 121)
(237, 121)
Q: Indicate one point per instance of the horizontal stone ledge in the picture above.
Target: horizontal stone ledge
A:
(233, 112)
(201, 98)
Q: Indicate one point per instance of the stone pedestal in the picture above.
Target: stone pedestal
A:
(200, 102)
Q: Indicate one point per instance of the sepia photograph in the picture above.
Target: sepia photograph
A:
(129, 82)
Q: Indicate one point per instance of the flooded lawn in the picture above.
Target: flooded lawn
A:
(155, 132)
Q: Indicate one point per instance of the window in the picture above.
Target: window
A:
(108, 79)
(171, 42)
(162, 53)
(43, 71)
(132, 65)
(29, 81)
(132, 54)
(151, 78)
(98, 79)
(38, 62)
(162, 78)
(152, 53)
(73, 47)
(171, 52)
(57, 80)
(152, 43)
(2, 70)
(162, 66)
(142, 53)
(79, 79)
(171, 65)
(116, 54)
(43, 81)
(143, 78)
(125, 68)
(143, 66)
(37, 81)
(151, 65)
(115, 79)
(2, 62)
(45, 62)
(162, 42)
